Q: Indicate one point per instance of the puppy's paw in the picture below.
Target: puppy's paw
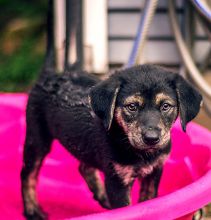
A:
(103, 200)
(36, 214)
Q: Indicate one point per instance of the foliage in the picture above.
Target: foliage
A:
(22, 42)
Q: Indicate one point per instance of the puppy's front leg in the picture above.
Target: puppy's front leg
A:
(117, 191)
(94, 182)
(149, 185)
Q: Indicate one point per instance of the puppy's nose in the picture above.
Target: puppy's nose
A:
(151, 137)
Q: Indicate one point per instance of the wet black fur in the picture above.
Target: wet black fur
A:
(59, 107)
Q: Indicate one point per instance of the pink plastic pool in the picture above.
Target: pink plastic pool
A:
(184, 188)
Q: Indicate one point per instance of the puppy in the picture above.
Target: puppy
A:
(120, 126)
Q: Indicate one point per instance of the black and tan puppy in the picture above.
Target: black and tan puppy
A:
(121, 127)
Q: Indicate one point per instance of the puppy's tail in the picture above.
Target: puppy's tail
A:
(49, 62)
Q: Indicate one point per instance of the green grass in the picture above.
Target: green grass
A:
(21, 68)
(22, 46)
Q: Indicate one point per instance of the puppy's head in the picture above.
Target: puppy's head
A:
(145, 101)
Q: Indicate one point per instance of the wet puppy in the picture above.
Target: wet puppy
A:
(120, 126)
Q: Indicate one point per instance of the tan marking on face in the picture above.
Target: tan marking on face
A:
(163, 97)
(134, 135)
(132, 130)
(120, 120)
(126, 173)
(165, 135)
(134, 99)
(164, 130)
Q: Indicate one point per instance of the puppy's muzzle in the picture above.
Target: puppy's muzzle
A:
(151, 136)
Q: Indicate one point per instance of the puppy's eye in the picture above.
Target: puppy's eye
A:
(165, 107)
(132, 107)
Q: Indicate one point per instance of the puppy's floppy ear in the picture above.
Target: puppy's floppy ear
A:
(103, 99)
(189, 101)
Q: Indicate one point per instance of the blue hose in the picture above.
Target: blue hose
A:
(133, 54)
(143, 27)
(202, 9)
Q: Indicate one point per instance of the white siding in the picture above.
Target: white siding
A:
(160, 47)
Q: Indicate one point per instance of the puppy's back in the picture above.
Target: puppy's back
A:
(61, 101)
